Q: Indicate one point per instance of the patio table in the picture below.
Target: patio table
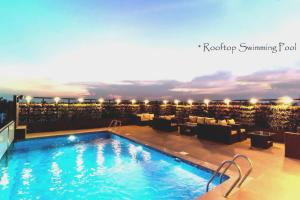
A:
(261, 139)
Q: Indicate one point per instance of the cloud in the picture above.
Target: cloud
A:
(136, 89)
(40, 87)
(261, 84)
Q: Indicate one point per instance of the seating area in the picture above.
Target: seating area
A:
(145, 118)
(223, 131)
(165, 123)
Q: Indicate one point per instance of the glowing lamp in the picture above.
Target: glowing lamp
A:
(118, 101)
(80, 100)
(101, 100)
(206, 101)
(146, 101)
(71, 138)
(190, 101)
(176, 101)
(56, 99)
(253, 101)
(227, 101)
(286, 100)
(133, 101)
(28, 99)
(165, 102)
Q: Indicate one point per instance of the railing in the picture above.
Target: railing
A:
(7, 134)
(115, 123)
(229, 163)
(246, 174)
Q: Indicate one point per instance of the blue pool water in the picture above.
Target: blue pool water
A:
(96, 166)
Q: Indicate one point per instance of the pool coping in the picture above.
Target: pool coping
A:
(215, 193)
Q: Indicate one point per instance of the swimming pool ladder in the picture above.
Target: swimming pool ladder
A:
(115, 123)
(229, 163)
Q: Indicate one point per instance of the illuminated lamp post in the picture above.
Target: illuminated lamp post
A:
(176, 101)
(227, 101)
(80, 100)
(101, 100)
(190, 102)
(118, 101)
(133, 101)
(253, 101)
(206, 101)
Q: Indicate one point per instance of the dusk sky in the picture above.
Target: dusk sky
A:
(148, 49)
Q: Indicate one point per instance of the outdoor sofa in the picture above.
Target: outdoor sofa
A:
(223, 131)
(165, 123)
(144, 119)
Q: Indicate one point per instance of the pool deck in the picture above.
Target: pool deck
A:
(273, 177)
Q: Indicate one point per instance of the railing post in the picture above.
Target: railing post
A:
(15, 110)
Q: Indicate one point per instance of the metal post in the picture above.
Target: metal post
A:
(15, 110)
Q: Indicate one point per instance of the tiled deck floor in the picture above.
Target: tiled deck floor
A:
(274, 176)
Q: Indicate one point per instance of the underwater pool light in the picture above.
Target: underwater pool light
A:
(71, 138)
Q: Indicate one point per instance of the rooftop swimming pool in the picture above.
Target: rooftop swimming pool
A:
(96, 166)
